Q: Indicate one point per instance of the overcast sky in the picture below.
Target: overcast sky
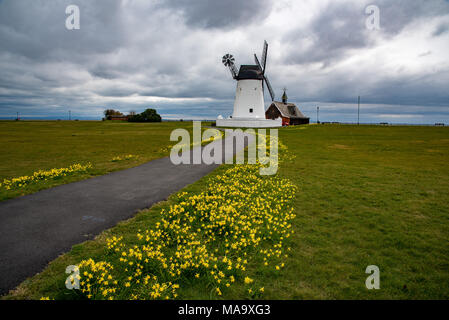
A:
(134, 54)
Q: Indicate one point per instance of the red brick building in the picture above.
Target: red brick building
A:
(289, 112)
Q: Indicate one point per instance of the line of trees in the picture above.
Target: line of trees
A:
(149, 115)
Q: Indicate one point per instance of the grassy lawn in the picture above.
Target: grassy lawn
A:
(366, 195)
(369, 195)
(31, 146)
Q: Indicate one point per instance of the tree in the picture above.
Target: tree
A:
(149, 115)
(112, 112)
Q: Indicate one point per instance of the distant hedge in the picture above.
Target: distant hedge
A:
(149, 115)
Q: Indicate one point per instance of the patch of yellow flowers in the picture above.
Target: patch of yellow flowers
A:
(241, 219)
(240, 222)
(123, 158)
(43, 175)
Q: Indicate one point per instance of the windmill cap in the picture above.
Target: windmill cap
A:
(250, 72)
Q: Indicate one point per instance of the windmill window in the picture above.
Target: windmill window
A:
(251, 110)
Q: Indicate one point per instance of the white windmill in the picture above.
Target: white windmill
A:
(249, 105)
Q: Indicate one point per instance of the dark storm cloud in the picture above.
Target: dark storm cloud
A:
(35, 29)
(338, 27)
(220, 14)
(397, 14)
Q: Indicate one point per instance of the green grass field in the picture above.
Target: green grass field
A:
(368, 195)
(43, 145)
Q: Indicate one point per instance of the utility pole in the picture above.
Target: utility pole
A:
(358, 113)
(17, 116)
(317, 114)
(70, 115)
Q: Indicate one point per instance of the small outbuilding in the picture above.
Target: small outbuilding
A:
(117, 118)
(289, 112)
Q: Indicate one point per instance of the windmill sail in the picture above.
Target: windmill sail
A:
(258, 63)
(264, 55)
(270, 89)
(262, 69)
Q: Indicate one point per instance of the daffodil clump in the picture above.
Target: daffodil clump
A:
(240, 219)
(124, 158)
(42, 175)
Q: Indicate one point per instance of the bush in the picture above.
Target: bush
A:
(149, 115)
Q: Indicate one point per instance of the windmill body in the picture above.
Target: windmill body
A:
(249, 101)
(249, 104)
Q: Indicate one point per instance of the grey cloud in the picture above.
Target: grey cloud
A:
(425, 54)
(424, 90)
(442, 28)
(172, 49)
(36, 29)
(220, 14)
(340, 27)
(397, 14)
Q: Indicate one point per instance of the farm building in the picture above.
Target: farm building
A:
(117, 118)
(289, 112)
